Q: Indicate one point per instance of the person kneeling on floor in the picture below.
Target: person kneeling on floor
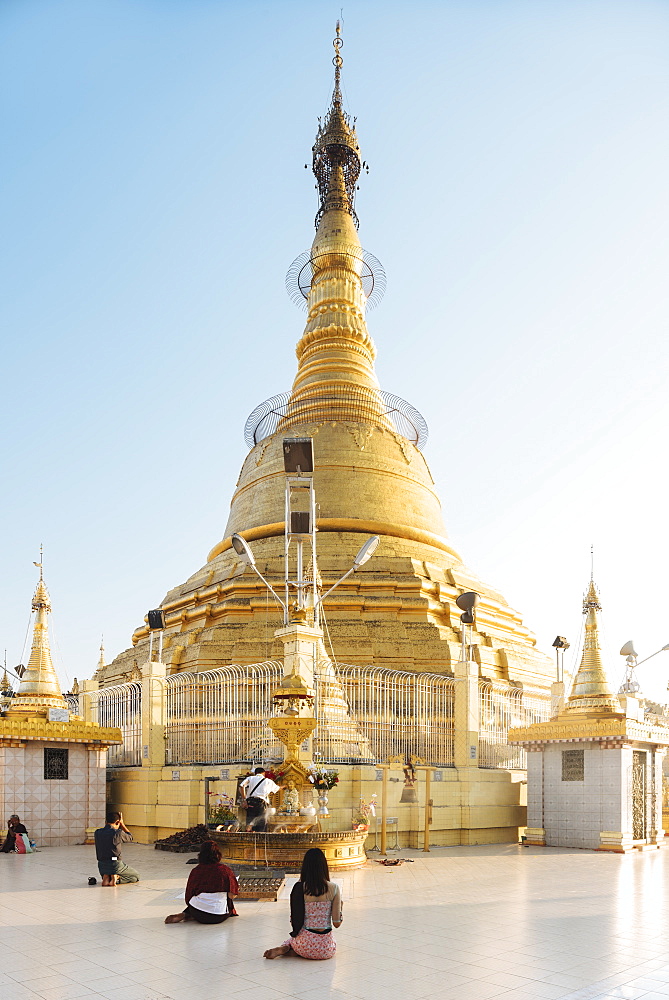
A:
(210, 889)
(108, 840)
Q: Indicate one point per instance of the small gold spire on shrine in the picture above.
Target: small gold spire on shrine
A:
(39, 688)
(6, 686)
(590, 691)
(101, 661)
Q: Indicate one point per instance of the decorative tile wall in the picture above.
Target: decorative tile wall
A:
(56, 812)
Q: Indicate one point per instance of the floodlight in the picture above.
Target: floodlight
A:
(156, 619)
(242, 548)
(366, 552)
(298, 456)
(560, 642)
(628, 649)
(300, 522)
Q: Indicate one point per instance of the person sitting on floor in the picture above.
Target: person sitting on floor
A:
(315, 907)
(108, 840)
(14, 827)
(210, 889)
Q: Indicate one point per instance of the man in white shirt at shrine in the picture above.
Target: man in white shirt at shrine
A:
(256, 790)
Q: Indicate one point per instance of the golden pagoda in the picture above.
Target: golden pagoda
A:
(53, 764)
(590, 693)
(371, 477)
(39, 688)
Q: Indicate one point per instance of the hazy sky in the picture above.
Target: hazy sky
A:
(153, 197)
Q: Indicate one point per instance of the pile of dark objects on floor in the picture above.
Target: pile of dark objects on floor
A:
(185, 840)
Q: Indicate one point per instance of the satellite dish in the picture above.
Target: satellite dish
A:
(628, 649)
(467, 602)
(242, 549)
(366, 552)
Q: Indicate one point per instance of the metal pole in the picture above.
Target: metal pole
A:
(286, 543)
(314, 563)
(384, 802)
(300, 580)
(150, 646)
(160, 646)
(426, 836)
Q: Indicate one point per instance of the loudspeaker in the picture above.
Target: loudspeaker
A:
(300, 522)
(156, 619)
(298, 456)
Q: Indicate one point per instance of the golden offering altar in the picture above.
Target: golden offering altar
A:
(343, 850)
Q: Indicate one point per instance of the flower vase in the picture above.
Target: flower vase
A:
(322, 803)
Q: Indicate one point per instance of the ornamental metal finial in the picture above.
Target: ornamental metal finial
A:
(336, 156)
(338, 63)
(40, 564)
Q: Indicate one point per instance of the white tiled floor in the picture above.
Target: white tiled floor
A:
(459, 924)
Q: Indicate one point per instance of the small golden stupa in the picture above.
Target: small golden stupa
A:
(39, 688)
(590, 694)
(53, 770)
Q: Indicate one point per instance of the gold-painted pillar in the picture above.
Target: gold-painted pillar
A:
(384, 811)
(88, 712)
(428, 810)
(153, 714)
(141, 813)
(557, 698)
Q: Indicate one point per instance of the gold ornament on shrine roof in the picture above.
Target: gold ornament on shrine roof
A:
(292, 695)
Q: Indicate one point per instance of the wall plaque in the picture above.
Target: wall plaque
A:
(573, 765)
(58, 715)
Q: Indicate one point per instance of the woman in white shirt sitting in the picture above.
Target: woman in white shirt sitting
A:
(210, 889)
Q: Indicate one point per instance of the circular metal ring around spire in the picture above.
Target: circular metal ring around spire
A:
(301, 273)
(405, 418)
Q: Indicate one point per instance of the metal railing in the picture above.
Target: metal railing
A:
(72, 702)
(502, 707)
(121, 706)
(390, 712)
(219, 716)
(365, 714)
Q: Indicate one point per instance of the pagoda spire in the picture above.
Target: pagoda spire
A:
(101, 662)
(39, 689)
(336, 353)
(590, 693)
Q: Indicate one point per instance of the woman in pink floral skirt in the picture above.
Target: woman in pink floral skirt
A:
(315, 908)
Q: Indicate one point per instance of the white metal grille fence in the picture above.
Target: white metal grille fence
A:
(364, 714)
(395, 712)
(72, 702)
(219, 716)
(501, 707)
(121, 706)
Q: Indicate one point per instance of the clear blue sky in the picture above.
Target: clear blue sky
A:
(154, 195)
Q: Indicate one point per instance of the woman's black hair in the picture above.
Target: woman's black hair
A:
(210, 853)
(315, 874)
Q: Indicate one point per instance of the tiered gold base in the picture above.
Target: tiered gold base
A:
(285, 850)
